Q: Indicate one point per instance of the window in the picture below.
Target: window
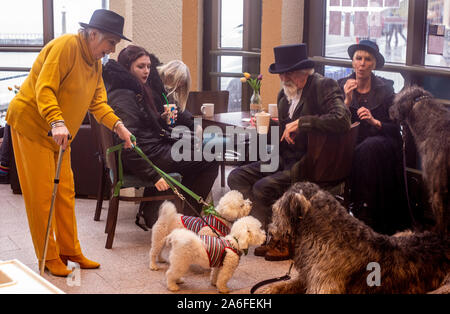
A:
(409, 57)
(438, 33)
(336, 73)
(14, 31)
(229, 49)
(68, 13)
(381, 22)
(20, 42)
(412, 59)
(7, 81)
(232, 21)
(17, 59)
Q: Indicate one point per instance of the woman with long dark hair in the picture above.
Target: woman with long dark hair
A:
(133, 100)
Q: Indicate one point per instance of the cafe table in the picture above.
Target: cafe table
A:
(222, 120)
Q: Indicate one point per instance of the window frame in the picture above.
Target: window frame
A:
(212, 51)
(413, 71)
(414, 68)
(48, 35)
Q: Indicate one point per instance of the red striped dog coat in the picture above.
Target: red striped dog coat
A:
(196, 223)
(215, 247)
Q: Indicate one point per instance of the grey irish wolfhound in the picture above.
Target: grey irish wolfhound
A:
(429, 122)
(337, 253)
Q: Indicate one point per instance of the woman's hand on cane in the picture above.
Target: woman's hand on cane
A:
(61, 135)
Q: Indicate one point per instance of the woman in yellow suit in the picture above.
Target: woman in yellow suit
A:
(64, 83)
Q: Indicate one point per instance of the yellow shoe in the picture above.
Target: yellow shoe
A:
(81, 260)
(57, 268)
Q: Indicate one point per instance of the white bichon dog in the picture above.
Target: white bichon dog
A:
(231, 207)
(221, 254)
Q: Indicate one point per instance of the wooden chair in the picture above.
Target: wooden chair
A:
(220, 101)
(110, 166)
(328, 159)
(197, 99)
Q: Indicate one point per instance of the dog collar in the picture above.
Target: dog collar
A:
(417, 99)
(245, 251)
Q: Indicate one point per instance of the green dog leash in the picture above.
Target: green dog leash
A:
(208, 209)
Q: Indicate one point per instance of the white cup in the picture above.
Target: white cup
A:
(207, 110)
(262, 122)
(170, 109)
(273, 110)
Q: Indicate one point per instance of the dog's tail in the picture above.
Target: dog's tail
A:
(181, 237)
(167, 210)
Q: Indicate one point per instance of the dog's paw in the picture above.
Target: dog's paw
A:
(173, 287)
(223, 290)
(273, 289)
(153, 267)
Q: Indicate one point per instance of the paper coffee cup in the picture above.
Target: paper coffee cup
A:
(273, 110)
(262, 122)
(207, 110)
(170, 109)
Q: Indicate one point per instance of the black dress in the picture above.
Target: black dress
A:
(376, 183)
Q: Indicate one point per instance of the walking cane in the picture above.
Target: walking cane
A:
(52, 207)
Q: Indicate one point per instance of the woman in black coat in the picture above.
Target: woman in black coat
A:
(377, 186)
(135, 102)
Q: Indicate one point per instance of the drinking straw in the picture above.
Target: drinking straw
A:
(167, 101)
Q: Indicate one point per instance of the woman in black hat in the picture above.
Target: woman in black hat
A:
(64, 83)
(376, 187)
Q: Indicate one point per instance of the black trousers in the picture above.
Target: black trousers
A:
(262, 188)
(6, 147)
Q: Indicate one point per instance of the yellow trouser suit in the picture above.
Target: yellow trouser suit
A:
(36, 177)
(64, 83)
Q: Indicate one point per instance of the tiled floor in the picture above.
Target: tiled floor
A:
(124, 268)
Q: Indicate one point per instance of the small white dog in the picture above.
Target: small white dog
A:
(231, 207)
(220, 254)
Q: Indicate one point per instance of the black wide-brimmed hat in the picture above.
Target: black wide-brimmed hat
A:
(290, 58)
(107, 21)
(370, 47)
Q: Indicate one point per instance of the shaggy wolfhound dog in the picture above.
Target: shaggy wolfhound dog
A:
(337, 253)
(429, 122)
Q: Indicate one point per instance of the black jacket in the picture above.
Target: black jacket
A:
(381, 97)
(125, 96)
(321, 107)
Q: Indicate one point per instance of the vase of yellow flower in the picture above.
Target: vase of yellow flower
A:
(255, 99)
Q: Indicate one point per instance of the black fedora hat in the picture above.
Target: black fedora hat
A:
(369, 46)
(107, 21)
(290, 58)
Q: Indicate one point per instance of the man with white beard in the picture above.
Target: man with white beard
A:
(307, 101)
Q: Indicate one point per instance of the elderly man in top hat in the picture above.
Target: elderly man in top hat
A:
(307, 101)
(64, 83)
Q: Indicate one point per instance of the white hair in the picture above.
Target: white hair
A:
(307, 71)
(86, 32)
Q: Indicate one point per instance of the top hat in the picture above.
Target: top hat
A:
(107, 21)
(290, 58)
(370, 47)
